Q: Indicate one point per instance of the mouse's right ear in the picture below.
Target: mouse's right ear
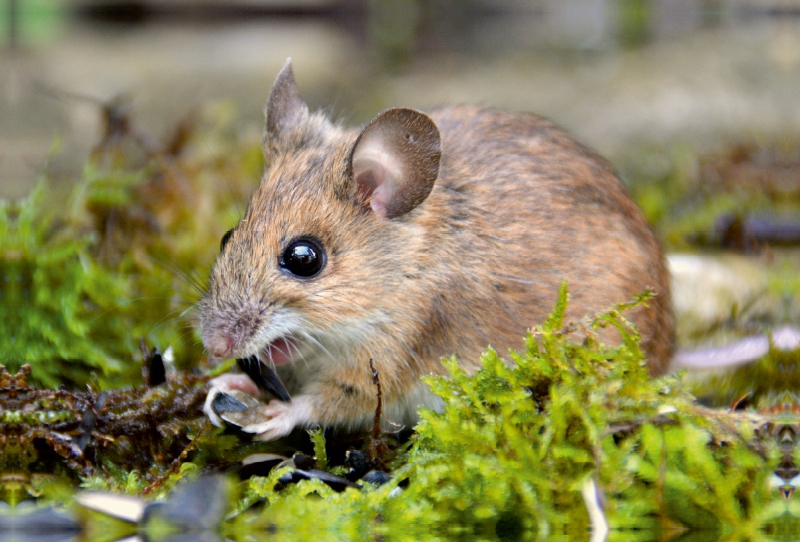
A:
(285, 109)
(395, 161)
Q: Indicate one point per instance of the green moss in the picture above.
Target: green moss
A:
(122, 258)
(515, 445)
(59, 307)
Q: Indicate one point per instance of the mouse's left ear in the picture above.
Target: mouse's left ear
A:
(285, 109)
(395, 161)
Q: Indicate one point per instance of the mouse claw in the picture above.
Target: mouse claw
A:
(282, 419)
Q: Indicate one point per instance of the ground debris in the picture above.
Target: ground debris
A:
(137, 428)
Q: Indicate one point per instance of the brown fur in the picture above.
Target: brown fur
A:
(518, 207)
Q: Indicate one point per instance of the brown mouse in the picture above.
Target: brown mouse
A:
(422, 236)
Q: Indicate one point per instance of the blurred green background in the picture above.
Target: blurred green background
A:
(620, 74)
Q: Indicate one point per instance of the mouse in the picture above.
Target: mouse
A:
(420, 236)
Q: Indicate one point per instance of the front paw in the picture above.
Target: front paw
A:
(277, 419)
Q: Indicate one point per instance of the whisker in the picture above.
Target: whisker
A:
(193, 281)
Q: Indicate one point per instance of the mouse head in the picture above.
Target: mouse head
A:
(318, 251)
(392, 165)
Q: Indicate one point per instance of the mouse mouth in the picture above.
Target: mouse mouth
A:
(281, 350)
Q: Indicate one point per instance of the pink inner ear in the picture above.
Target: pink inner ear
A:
(379, 200)
(376, 173)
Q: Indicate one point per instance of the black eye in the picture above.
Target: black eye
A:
(303, 258)
(225, 239)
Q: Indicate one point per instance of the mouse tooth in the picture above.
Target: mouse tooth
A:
(264, 377)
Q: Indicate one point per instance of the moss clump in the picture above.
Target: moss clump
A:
(83, 277)
(59, 304)
(515, 445)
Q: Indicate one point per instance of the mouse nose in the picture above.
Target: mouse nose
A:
(220, 346)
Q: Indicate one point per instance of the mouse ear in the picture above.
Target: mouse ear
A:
(395, 161)
(285, 109)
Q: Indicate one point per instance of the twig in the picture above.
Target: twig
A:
(377, 445)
